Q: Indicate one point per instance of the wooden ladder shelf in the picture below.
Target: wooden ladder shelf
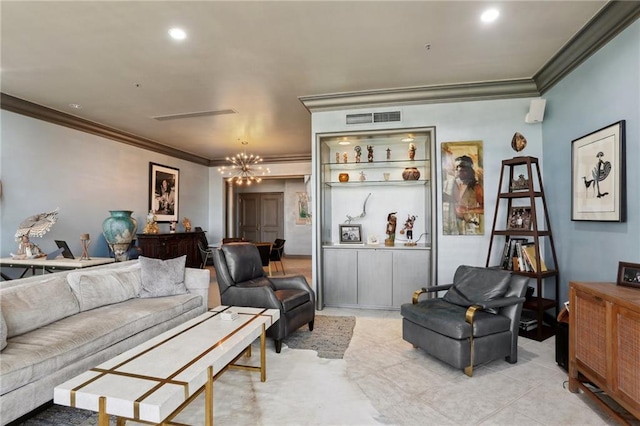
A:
(534, 230)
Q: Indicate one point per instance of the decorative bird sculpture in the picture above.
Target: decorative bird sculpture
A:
(364, 211)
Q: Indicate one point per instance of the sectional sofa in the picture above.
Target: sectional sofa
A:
(55, 326)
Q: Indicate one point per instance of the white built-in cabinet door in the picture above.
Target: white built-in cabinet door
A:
(410, 273)
(340, 270)
(375, 270)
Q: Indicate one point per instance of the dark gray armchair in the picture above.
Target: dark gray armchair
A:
(476, 321)
(243, 282)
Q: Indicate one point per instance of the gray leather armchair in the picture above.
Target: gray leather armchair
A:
(243, 282)
(476, 321)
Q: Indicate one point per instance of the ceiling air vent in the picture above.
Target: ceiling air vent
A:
(385, 117)
(376, 117)
(359, 118)
(195, 114)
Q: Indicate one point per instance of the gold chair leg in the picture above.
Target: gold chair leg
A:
(469, 317)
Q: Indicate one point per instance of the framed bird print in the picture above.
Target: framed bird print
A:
(597, 175)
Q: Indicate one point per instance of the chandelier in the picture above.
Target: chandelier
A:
(244, 168)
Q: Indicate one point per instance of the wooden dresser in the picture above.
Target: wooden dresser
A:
(604, 343)
(169, 246)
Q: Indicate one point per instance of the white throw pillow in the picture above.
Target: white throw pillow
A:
(162, 277)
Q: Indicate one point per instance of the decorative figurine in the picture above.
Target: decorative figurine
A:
(187, 224)
(388, 153)
(358, 151)
(337, 157)
(172, 227)
(408, 227)
(391, 229)
(370, 155)
(345, 157)
(412, 151)
(85, 241)
(363, 177)
(27, 249)
(151, 226)
(520, 183)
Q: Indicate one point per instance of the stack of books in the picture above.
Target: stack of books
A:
(520, 255)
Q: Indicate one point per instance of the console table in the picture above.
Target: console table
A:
(171, 245)
(604, 343)
(51, 265)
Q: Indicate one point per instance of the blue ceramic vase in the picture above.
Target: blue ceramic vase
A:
(119, 230)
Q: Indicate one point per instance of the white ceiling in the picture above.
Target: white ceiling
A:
(116, 60)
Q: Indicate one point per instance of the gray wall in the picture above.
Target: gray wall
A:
(603, 90)
(44, 166)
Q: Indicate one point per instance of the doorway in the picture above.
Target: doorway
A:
(261, 216)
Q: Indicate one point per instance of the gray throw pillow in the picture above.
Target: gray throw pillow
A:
(473, 284)
(162, 277)
(3, 332)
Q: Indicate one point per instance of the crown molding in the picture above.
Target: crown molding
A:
(612, 19)
(271, 159)
(20, 106)
(502, 89)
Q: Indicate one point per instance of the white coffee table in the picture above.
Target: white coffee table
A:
(154, 381)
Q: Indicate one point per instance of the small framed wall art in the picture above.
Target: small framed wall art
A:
(163, 192)
(350, 234)
(629, 274)
(598, 175)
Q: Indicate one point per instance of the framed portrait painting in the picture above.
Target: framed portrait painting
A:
(163, 192)
(350, 234)
(462, 188)
(598, 175)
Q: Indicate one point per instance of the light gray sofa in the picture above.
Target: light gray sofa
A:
(59, 325)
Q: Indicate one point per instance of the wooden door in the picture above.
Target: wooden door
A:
(261, 216)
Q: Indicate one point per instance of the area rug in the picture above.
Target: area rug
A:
(330, 336)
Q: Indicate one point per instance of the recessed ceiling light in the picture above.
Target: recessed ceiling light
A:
(490, 15)
(344, 143)
(76, 106)
(409, 139)
(177, 34)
